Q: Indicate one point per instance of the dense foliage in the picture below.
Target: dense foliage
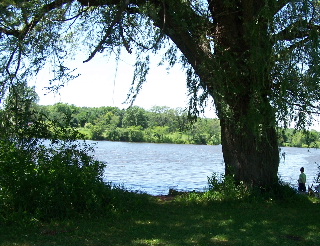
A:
(135, 124)
(160, 124)
(42, 178)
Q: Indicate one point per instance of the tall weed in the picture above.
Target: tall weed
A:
(224, 188)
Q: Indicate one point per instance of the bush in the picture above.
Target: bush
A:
(225, 188)
(55, 181)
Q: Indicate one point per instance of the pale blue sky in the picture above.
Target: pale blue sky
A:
(101, 84)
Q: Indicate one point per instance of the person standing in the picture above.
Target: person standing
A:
(302, 180)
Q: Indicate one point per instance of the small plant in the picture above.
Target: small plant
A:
(224, 188)
(220, 188)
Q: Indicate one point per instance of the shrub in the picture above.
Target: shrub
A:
(54, 181)
(225, 188)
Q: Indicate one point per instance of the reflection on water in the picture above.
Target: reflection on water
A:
(154, 168)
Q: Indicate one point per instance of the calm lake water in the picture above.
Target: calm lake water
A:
(155, 168)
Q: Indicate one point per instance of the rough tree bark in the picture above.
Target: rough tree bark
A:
(243, 50)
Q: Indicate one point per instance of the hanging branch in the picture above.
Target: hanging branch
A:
(20, 34)
(125, 42)
(297, 30)
(116, 20)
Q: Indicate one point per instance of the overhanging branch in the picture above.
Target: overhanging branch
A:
(99, 47)
(20, 34)
(298, 30)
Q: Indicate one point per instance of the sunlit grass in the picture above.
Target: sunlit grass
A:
(179, 222)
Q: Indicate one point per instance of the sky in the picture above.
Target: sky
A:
(103, 83)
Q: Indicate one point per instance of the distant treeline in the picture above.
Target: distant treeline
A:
(160, 124)
(135, 124)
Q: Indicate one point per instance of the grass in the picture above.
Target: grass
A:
(179, 222)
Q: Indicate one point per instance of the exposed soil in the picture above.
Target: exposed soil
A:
(166, 197)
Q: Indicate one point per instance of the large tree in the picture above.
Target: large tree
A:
(258, 60)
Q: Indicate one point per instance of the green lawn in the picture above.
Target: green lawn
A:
(179, 223)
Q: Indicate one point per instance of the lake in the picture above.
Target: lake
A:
(155, 168)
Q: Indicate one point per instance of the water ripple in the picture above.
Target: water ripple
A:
(155, 168)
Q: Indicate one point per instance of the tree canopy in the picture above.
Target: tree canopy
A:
(257, 60)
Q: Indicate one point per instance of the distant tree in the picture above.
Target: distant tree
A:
(63, 114)
(207, 131)
(158, 116)
(182, 119)
(21, 118)
(115, 121)
(135, 116)
(83, 116)
(21, 101)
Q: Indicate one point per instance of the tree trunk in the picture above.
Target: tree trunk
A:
(243, 51)
(250, 155)
(248, 132)
(237, 76)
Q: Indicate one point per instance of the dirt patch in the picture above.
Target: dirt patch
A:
(166, 197)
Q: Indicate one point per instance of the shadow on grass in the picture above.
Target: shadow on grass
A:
(180, 223)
